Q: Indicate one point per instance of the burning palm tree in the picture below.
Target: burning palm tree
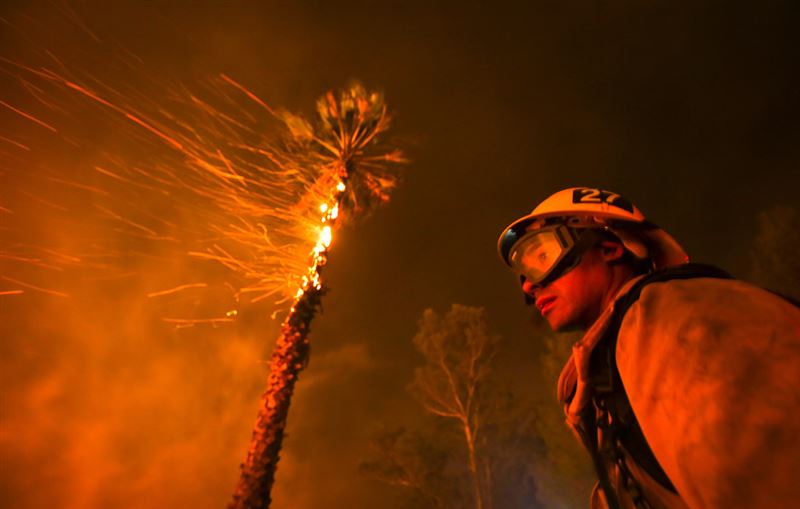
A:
(353, 177)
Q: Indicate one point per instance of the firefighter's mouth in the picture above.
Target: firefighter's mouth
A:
(545, 304)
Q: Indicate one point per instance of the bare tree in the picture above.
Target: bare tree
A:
(494, 454)
(458, 351)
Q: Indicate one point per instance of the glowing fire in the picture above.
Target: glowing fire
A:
(319, 255)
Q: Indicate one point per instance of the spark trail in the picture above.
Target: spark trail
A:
(249, 180)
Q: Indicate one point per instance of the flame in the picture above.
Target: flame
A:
(326, 236)
(318, 257)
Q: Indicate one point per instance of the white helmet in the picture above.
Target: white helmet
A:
(583, 207)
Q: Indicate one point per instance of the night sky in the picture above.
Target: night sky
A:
(690, 111)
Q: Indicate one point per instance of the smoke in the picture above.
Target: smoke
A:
(105, 406)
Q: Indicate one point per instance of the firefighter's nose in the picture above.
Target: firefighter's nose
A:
(529, 288)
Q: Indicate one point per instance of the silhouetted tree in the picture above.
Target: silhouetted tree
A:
(414, 462)
(458, 350)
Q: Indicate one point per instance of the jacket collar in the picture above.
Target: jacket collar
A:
(573, 386)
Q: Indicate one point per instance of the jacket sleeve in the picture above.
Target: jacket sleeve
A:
(711, 370)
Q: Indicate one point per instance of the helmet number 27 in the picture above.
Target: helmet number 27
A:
(590, 195)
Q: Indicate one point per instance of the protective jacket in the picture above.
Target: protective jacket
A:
(690, 398)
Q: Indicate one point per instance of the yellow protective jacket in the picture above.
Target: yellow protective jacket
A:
(711, 368)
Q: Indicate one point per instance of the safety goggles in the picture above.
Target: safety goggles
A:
(543, 255)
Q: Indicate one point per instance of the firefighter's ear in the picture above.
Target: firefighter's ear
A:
(611, 251)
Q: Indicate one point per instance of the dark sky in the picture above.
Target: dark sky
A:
(690, 110)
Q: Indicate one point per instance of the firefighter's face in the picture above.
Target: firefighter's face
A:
(576, 299)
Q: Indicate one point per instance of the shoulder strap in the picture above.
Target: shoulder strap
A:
(686, 271)
(609, 384)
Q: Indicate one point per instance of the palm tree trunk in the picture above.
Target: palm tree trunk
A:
(288, 359)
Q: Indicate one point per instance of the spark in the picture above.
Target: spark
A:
(62, 256)
(30, 261)
(190, 322)
(15, 143)
(176, 289)
(154, 131)
(33, 287)
(78, 185)
(248, 93)
(29, 117)
(45, 202)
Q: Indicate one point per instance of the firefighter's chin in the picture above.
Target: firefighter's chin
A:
(558, 316)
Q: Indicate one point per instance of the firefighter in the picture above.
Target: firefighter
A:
(685, 387)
